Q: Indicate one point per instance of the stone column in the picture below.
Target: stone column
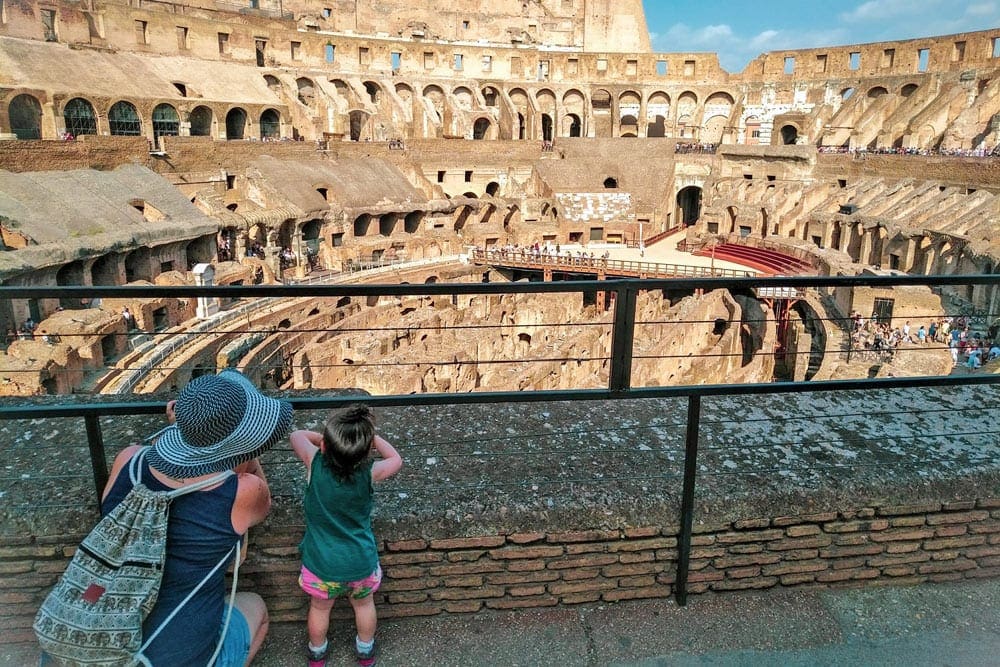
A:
(204, 276)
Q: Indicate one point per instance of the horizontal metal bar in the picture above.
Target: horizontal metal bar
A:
(432, 289)
(24, 411)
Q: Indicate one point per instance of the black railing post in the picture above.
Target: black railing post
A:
(622, 338)
(687, 498)
(98, 462)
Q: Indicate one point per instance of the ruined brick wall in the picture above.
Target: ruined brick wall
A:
(885, 545)
(86, 152)
(946, 170)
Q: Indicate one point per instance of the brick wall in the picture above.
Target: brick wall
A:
(885, 545)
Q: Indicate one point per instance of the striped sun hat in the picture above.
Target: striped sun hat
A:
(221, 422)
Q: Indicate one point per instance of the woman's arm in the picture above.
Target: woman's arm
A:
(124, 456)
(390, 463)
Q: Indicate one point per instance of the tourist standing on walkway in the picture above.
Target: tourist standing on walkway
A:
(339, 554)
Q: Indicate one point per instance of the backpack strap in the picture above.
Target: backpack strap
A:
(232, 597)
(135, 473)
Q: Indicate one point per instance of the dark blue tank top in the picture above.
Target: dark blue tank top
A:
(199, 533)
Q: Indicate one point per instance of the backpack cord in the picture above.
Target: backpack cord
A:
(135, 475)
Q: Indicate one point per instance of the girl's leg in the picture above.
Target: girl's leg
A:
(365, 617)
(318, 619)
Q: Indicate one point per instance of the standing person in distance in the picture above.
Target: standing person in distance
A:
(339, 554)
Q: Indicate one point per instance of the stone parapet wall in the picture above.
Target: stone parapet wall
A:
(86, 152)
(868, 546)
(959, 171)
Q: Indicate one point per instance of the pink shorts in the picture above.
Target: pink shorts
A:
(328, 590)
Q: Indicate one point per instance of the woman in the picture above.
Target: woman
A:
(218, 423)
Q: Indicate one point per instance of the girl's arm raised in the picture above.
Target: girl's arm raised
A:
(305, 444)
(390, 463)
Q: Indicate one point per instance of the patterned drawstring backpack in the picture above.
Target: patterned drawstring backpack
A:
(94, 614)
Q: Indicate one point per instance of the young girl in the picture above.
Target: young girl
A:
(339, 556)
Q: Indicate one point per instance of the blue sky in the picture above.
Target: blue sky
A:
(740, 31)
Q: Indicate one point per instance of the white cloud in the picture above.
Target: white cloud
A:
(885, 9)
(982, 9)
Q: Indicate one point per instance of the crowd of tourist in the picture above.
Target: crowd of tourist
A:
(862, 152)
(966, 347)
(541, 252)
(685, 148)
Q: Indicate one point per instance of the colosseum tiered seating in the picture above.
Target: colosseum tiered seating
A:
(769, 261)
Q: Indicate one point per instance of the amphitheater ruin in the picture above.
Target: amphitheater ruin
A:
(282, 142)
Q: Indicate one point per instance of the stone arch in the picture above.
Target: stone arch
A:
(374, 92)
(166, 122)
(434, 95)
(876, 92)
(908, 89)
(927, 136)
(572, 125)
(481, 129)
(405, 92)
(123, 120)
(306, 90)
(629, 105)
(657, 113)
(463, 98)
(682, 126)
(546, 100)
(687, 106)
(342, 91)
(574, 106)
(387, 223)
(359, 123)
(79, 117)
(361, 225)
(201, 119)
(272, 82)
(492, 188)
(846, 94)
(412, 220)
(522, 105)
(490, 96)
(789, 135)
(689, 203)
(600, 108)
(270, 124)
(720, 98)
(25, 114)
(715, 129)
(548, 127)
(236, 124)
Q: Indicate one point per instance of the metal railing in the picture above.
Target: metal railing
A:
(619, 383)
(586, 264)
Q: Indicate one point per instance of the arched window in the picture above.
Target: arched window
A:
(270, 125)
(79, 117)
(201, 121)
(165, 121)
(123, 120)
(25, 117)
(481, 128)
(236, 123)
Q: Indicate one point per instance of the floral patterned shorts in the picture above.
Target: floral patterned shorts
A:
(328, 590)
